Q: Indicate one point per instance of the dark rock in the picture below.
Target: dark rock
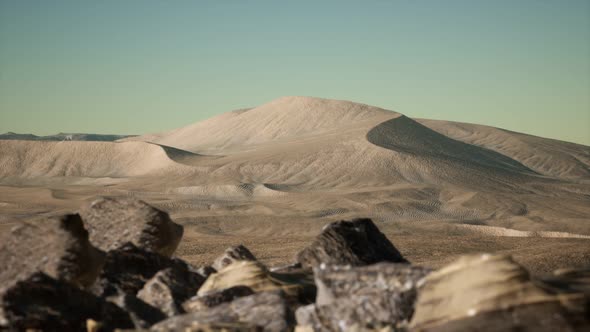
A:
(169, 288)
(359, 298)
(266, 310)
(142, 314)
(357, 242)
(113, 222)
(57, 246)
(128, 268)
(43, 303)
(201, 302)
(233, 254)
(494, 293)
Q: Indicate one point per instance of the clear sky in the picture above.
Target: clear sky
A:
(132, 67)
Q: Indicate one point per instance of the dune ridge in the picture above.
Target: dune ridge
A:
(31, 159)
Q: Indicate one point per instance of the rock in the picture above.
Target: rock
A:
(142, 314)
(307, 319)
(233, 254)
(570, 280)
(357, 242)
(494, 293)
(169, 288)
(359, 298)
(205, 271)
(128, 268)
(57, 246)
(252, 274)
(201, 302)
(290, 268)
(266, 310)
(113, 222)
(213, 327)
(43, 303)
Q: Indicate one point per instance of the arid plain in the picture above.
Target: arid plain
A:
(272, 176)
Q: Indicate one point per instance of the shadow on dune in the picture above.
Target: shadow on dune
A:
(405, 135)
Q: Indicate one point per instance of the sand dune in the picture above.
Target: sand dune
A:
(279, 171)
(30, 159)
(543, 155)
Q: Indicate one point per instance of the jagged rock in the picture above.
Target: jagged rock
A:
(357, 242)
(58, 246)
(233, 254)
(299, 288)
(43, 303)
(215, 298)
(113, 222)
(359, 298)
(169, 288)
(142, 314)
(266, 310)
(128, 268)
(494, 293)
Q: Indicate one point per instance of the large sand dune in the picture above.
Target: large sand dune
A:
(276, 173)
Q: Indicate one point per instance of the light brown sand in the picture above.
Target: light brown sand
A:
(272, 176)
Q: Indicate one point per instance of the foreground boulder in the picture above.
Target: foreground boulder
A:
(360, 298)
(231, 255)
(113, 222)
(298, 288)
(357, 242)
(266, 311)
(58, 246)
(494, 293)
(43, 303)
(169, 288)
(128, 268)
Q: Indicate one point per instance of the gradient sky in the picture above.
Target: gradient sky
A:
(131, 67)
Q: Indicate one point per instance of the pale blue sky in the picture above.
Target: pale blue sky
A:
(132, 67)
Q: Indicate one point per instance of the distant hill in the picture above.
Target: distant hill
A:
(62, 137)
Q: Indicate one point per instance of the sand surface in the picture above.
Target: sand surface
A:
(270, 177)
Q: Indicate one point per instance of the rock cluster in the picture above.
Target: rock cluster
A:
(120, 275)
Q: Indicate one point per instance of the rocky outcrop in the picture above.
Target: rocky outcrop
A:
(233, 254)
(215, 298)
(359, 298)
(57, 246)
(357, 242)
(169, 288)
(128, 268)
(267, 311)
(40, 302)
(351, 278)
(112, 222)
(494, 293)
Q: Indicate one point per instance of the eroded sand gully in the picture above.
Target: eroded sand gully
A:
(272, 176)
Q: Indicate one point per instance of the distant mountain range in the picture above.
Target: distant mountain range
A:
(63, 137)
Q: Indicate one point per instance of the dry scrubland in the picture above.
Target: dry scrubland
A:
(270, 177)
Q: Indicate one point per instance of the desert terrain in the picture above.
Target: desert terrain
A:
(272, 176)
